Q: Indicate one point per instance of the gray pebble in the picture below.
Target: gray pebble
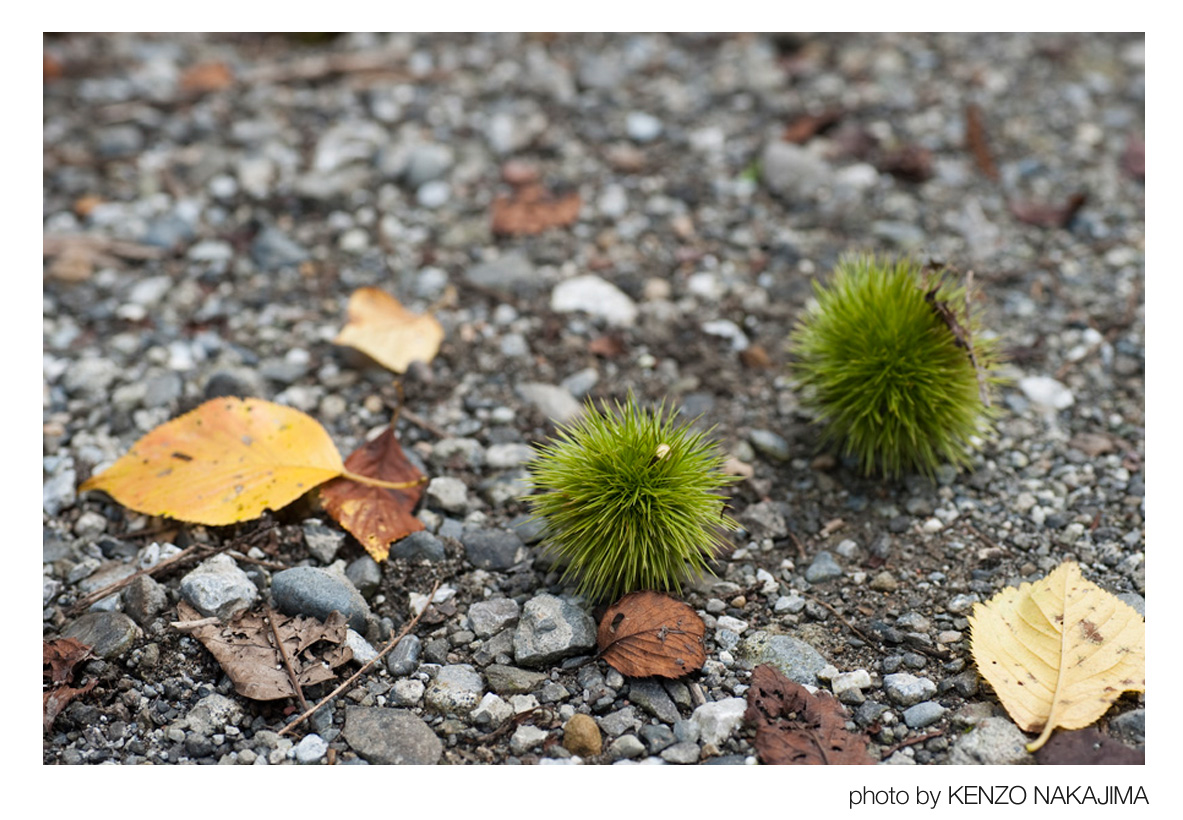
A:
(770, 444)
(323, 542)
(652, 697)
(404, 658)
(456, 690)
(365, 574)
(552, 629)
(318, 592)
(923, 714)
(419, 546)
(109, 634)
(796, 660)
(510, 680)
(492, 548)
(823, 568)
(905, 689)
(491, 616)
(219, 587)
(390, 736)
(995, 741)
(684, 752)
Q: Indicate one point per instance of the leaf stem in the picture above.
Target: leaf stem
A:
(377, 482)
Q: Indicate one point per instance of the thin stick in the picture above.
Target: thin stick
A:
(352, 678)
(110, 589)
(423, 424)
(287, 661)
(800, 547)
(838, 615)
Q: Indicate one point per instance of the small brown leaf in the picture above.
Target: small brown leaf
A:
(755, 357)
(975, 139)
(1092, 444)
(1087, 747)
(609, 346)
(647, 633)
(245, 649)
(911, 163)
(205, 77)
(59, 658)
(376, 516)
(1133, 160)
(1043, 215)
(806, 127)
(531, 210)
(793, 726)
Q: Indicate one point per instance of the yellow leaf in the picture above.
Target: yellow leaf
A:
(224, 462)
(1059, 651)
(387, 332)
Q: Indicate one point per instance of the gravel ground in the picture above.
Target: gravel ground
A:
(236, 189)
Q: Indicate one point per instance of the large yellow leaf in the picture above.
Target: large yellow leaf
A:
(224, 462)
(1059, 651)
(387, 332)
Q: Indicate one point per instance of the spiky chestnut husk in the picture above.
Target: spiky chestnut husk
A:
(885, 373)
(630, 499)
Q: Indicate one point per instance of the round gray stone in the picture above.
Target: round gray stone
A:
(552, 629)
(219, 587)
(318, 592)
(391, 736)
(492, 548)
(108, 634)
(796, 660)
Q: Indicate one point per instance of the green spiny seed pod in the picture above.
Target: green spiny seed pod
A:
(630, 498)
(893, 364)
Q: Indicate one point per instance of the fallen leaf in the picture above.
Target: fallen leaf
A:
(975, 139)
(646, 633)
(755, 357)
(51, 69)
(376, 516)
(74, 257)
(609, 346)
(205, 77)
(60, 657)
(1092, 444)
(1088, 747)
(1133, 159)
(245, 649)
(531, 210)
(1058, 652)
(795, 727)
(387, 332)
(1047, 216)
(806, 127)
(224, 462)
(911, 163)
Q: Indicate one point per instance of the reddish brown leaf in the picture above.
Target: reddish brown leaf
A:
(205, 77)
(609, 346)
(911, 163)
(59, 659)
(793, 726)
(805, 128)
(245, 649)
(531, 209)
(755, 357)
(975, 139)
(51, 69)
(646, 633)
(1048, 216)
(1087, 747)
(376, 516)
(1133, 160)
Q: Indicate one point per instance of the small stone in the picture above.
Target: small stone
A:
(456, 690)
(581, 736)
(657, 737)
(1046, 393)
(419, 546)
(923, 714)
(684, 753)
(408, 691)
(513, 273)
(218, 587)
(404, 658)
(323, 542)
(317, 592)
(718, 720)
(793, 171)
(90, 525)
(509, 680)
(551, 629)
(143, 599)
(906, 689)
(796, 660)
(390, 736)
(626, 747)
(491, 616)
(492, 711)
(770, 444)
(508, 456)
(493, 548)
(792, 604)
(884, 582)
(823, 568)
(552, 401)
(365, 574)
(591, 294)
(363, 651)
(995, 741)
(212, 714)
(427, 162)
(525, 738)
(765, 520)
(434, 194)
(652, 697)
(109, 634)
(617, 723)
(847, 682)
(642, 126)
(311, 749)
(448, 493)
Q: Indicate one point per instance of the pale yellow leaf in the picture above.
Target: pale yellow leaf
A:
(387, 332)
(1058, 652)
(224, 462)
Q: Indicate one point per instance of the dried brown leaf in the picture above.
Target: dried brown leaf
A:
(1133, 159)
(531, 210)
(376, 516)
(1093, 444)
(806, 127)
(795, 727)
(59, 659)
(1087, 747)
(647, 633)
(609, 346)
(245, 648)
(911, 163)
(1044, 215)
(975, 139)
(205, 77)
